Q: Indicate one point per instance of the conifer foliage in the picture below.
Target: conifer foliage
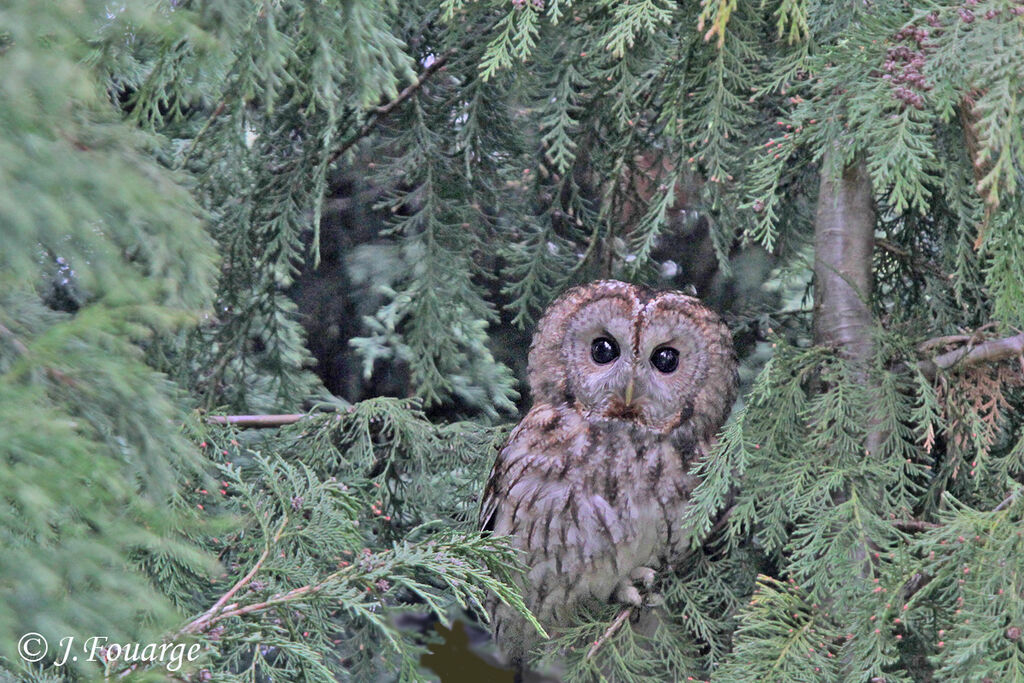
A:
(170, 170)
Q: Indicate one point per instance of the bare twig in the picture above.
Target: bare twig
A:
(609, 632)
(255, 421)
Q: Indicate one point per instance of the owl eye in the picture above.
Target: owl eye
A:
(604, 350)
(666, 359)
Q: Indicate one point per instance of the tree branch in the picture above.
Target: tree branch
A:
(914, 259)
(844, 233)
(207, 620)
(609, 632)
(945, 340)
(1006, 501)
(986, 352)
(844, 244)
(914, 525)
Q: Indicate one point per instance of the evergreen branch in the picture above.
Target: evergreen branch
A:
(221, 106)
(13, 339)
(210, 618)
(793, 639)
(378, 114)
(612, 628)
(913, 258)
(235, 611)
(213, 615)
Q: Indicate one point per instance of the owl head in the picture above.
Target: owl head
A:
(615, 351)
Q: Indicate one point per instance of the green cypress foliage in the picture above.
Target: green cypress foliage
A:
(167, 172)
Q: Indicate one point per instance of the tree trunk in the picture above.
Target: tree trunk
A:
(844, 237)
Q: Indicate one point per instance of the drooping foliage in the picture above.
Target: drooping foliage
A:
(198, 195)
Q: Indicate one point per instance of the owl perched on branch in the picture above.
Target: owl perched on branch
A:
(629, 387)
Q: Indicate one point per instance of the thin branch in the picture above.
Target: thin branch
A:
(944, 341)
(235, 611)
(202, 625)
(914, 525)
(13, 340)
(609, 632)
(921, 525)
(723, 518)
(378, 114)
(914, 259)
(1006, 501)
(221, 106)
(920, 580)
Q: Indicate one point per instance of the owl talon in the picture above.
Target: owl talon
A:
(627, 594)
(654, 600)
(643, 575)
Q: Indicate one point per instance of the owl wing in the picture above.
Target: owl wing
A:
(534, 492)
(532, 447)
(540, 494)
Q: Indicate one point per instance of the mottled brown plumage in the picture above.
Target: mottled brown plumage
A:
(593, 483)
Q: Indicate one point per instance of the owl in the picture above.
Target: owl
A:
(629, 387)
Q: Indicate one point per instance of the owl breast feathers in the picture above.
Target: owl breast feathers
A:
(629, 387)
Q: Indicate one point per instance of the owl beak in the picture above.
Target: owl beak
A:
(629, 393)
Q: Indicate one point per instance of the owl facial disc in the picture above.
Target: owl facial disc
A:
(617, 351)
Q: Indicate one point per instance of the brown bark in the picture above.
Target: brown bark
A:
(844, 233)
(844, 241)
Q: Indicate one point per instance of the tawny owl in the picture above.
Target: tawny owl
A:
(629, 387)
